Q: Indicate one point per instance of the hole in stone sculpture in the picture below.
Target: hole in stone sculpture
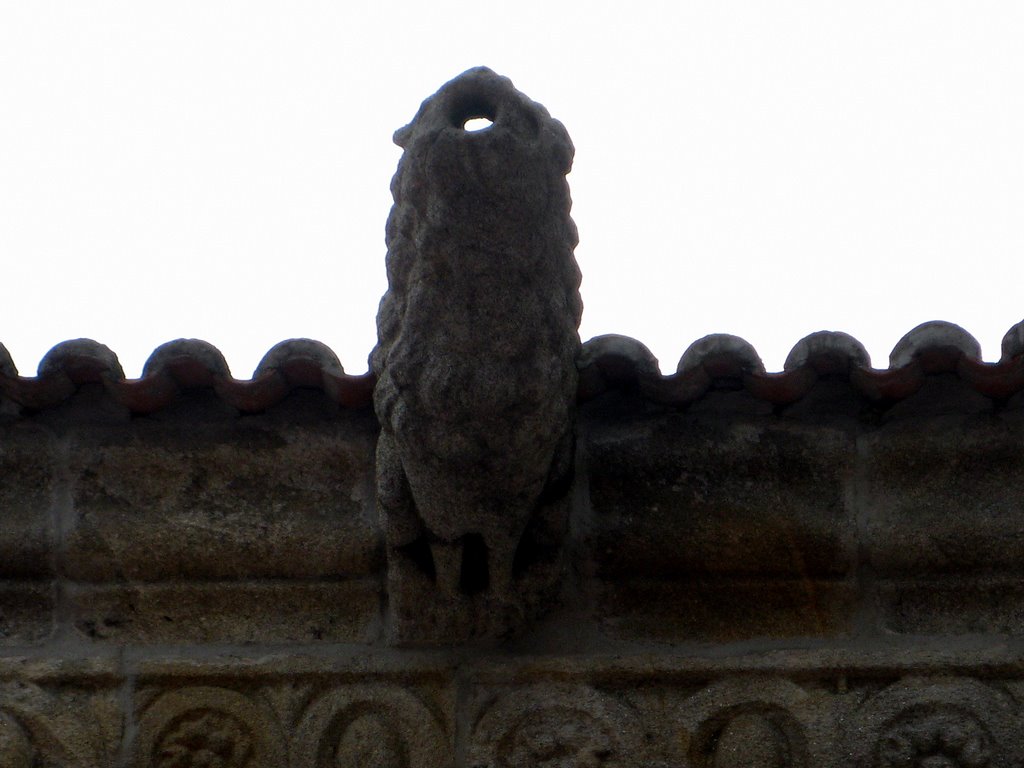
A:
(477, 124)
(474, 576)
(419, 553)
(473, 113)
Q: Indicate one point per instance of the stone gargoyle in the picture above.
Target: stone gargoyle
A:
(476, 361)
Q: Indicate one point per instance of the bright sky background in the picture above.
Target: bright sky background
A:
(220, 170)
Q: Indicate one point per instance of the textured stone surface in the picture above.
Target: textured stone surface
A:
(251, 711)
(26, 612)
(167, 503)
(27, 530)
(725, 610)
(228, 612)
(72, 725)
(476, 356)
(680, 496)
(945, 495)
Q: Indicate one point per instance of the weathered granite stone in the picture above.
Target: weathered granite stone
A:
(762, 722)
(370, 724)
(265, 610)
(944, 495)
(955, 722)
(476, 360)
(724, 528)
(27, 496)
(26, 611)
(64, 726)
(556, 725)
(165, 503)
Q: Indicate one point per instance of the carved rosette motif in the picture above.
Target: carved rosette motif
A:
(935, 723)
(933, 736)
(208, 727)
(378, 726)
(750, 722)
(557, 727)
(203, 738)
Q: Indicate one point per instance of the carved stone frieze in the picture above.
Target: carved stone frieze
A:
(205, 737)
(934, 735)
(756, 722)
(372, 725)
(64, 728)
(557, 727)
(202, 726)
(928, 723)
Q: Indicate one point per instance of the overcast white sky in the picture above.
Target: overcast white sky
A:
(220, 170)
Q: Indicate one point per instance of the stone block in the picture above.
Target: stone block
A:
(676, 496)
(943, 495)
(725, 610)
(229, 612)
(158, 503)
(951, 605)
(26, 612)
(27, 499)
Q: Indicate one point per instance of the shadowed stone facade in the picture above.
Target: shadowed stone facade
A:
(520, 551)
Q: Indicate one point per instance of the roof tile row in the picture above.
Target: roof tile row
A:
(608, 362)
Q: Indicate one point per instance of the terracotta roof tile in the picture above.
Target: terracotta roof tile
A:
(938, 344)
(721, 355)
(182, 365)
(721, 360)
(1013, 341)
(607, 363)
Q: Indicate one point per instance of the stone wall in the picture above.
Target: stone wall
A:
(815, 567)
(833, 581)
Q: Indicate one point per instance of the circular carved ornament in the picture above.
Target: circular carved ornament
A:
(754, 722)
(372, 725)
(208, 727)
(934, 736)
(934, 723)
(750, 736)
(557, 726)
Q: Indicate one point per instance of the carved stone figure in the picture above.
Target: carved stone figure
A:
(477, 348)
